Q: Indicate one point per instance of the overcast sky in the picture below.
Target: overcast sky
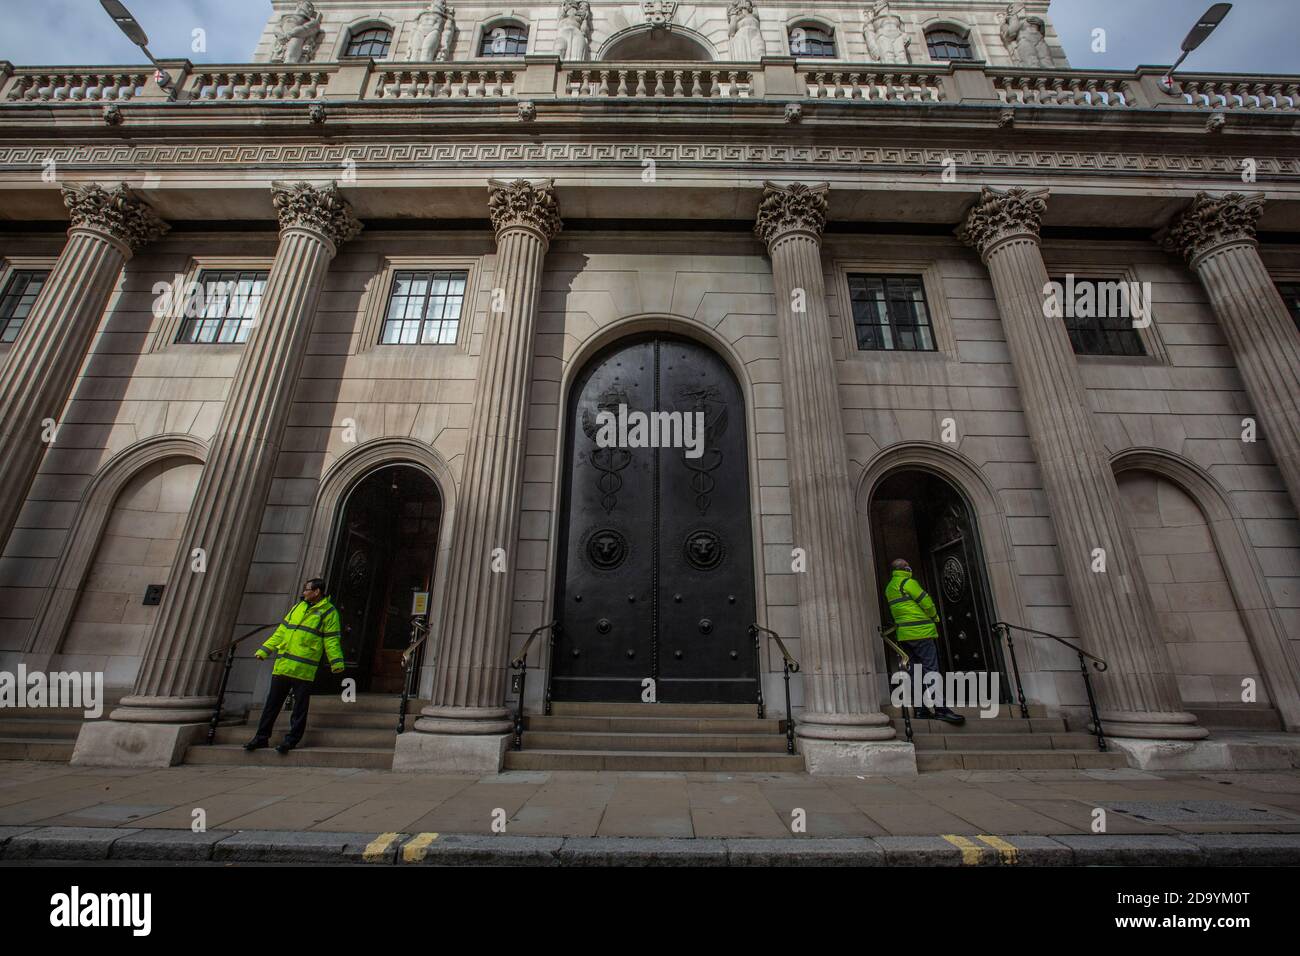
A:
(1257, 37)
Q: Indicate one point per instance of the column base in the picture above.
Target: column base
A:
(119, 743)
(842, 758)
(1154, 725)
(436, 719)
(863, 727)
(451, 753)
(164, 710)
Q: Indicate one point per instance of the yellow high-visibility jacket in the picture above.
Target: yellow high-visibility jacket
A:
(300, 640)
(912, 609)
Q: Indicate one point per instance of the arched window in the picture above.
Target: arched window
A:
(504, 39)
(372, 42)
(810, 39)
(947, 44)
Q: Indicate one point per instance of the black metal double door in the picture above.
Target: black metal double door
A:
(656, 577)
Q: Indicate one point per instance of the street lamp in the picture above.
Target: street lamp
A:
(135, 33)
(1210, 19)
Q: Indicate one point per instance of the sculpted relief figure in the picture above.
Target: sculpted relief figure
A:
(573, 37)
(886, 40)
(1025, 37)
(298, 36)
(435, 30)
(746, 38)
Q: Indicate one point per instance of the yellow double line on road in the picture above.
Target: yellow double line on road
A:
(971, 851)
(413, 850)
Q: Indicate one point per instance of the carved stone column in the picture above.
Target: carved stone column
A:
(108, 227)
(1138, 694)
(842, 729)
(177, 682)
(466, 727)
(1217, 237)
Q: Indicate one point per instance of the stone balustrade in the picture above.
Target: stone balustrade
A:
(545, 77)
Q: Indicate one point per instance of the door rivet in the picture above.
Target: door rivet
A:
(677, 598)
(677, 654)
(631, 599)
(603, 625)
(576, 652)
(577, 597)
(631, 653)
(731, 599)
(706, 626)
(734, 655)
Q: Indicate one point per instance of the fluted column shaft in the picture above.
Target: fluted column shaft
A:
(841, 697)
(198, 611)
(1217, 237)
(470, 683)
(41, 369)
(1138, 693)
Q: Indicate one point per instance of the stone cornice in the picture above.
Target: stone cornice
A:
(794, 208)
(319, 209)
(522, 204)
(114, 212)
(1211, 222)
(1000, 215)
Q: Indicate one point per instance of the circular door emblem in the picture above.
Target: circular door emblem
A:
(358, 565)
(704, 550)
(954, 579)
(606, 549)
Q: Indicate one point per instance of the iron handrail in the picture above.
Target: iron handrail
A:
(228, 652)
(520, 666)
(1084, 657)
(408, 670)
(788, 666)
(903, 659)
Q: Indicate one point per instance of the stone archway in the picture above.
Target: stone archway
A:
(642, 44)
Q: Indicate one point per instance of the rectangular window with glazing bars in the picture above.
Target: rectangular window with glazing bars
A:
(16, 302)
(1290, 292)
(890, 313)
(1100, 319)
(424, 308)
(223, 308)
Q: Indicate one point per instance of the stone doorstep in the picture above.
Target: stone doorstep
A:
(279, 846)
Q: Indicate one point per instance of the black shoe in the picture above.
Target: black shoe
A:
(283, 748)
(922, 713)
(949, 716)
(257, 743)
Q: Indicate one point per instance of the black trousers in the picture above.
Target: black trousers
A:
(280, 687)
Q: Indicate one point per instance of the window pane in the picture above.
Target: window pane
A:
(1290, 292)
(424, 308)
(890, 313)
(17, 299)
(224, 308)
(1098, 316)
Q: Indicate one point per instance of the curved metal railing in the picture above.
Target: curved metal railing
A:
(227, 652)
(788, 665)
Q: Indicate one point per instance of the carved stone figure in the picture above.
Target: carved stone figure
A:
(659, 13)
(573, 36)
(298, 36)
(435, 31)
(1025, 37)
(746, 36)
(887, 42)
(448, 41)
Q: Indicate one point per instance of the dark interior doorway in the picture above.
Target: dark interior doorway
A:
(383, 552)
(921, 517)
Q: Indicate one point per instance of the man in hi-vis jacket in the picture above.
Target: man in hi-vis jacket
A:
(917, 624)
(310, 630)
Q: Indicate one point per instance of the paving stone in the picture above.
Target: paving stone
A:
(8, 833)
(493, 850)
(1248, 849)
(920, 851)
(805, 852)
(587, 851)
(64, 843)
(1200, 811)
(294, 846)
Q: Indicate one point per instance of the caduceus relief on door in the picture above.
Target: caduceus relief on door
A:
(613, 459)
(705, 400)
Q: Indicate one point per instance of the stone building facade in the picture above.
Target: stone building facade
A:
(346, 309)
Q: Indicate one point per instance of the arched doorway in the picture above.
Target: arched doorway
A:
(384, 542)
(656, 570)
(643, 44)
(921, 517)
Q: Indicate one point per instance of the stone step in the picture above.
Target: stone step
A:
(651, 761)
(927, 760)
(36, 748)
(341, 720)
(656, 725)
(60, 729)
(1261, 718)
(965, 742)
(233, 755)
(991, 725)
(52, 713)
(569, 708)
(317, 736)
(973, 713)
(364, 704)
(692, 742)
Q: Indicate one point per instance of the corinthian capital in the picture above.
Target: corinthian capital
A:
(793, 208)
(524, 204)
(320, 209)
(1213, 221)
(1000, 215)
(114, 212)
